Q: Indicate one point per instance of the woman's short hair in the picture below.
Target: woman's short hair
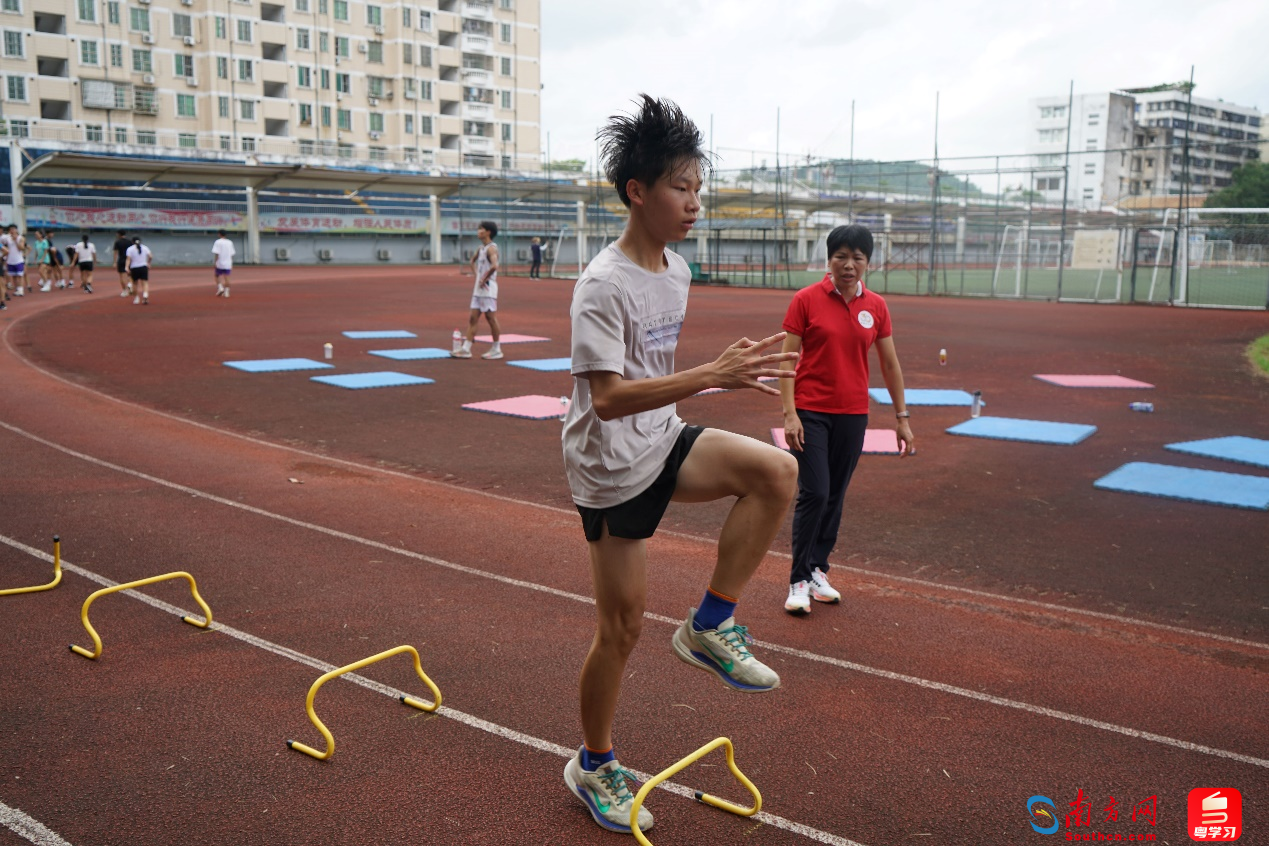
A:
(854, 237)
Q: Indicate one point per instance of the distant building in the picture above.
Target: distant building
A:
(1130, 143)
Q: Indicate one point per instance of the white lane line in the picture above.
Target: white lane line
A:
(29, 828)
(368, 468)
(466, 719)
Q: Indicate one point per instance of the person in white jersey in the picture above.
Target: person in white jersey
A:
(139, 261)
(484, 297)
(14, 260)
(223, 261)
(627, 454)
(86, 256)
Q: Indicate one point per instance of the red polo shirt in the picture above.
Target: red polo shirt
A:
(832, 374)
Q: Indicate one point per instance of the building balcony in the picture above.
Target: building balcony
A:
(476, 78)
(478, 111)
(477, 44)
(478, 10)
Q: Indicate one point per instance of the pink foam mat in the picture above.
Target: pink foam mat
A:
(532, 406)
(1091, 381)
(876, 441)
(510, 339)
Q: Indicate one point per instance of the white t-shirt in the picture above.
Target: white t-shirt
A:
(482, 266)
(85, 252)
(223, 250)
(625, 320)
(140, 255)
(12, 250)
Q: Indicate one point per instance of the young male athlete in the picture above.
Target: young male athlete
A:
(627, 454)
(120, 250)
(222, 262)
(484, 297)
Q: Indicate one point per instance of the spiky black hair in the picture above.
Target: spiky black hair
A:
(650, 144)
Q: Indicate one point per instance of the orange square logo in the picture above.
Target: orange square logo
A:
(1215, 814)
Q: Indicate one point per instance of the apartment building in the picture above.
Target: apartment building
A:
(1130, 143)
(445, 83)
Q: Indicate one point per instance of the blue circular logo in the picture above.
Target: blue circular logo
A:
(1042, 810)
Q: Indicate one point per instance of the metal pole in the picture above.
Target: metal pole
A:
(1066, 181)
(709, 210)
(850, 191)
(934, 200)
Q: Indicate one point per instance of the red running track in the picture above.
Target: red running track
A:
(1006, 630)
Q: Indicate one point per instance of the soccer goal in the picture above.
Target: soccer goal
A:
(1022, 249)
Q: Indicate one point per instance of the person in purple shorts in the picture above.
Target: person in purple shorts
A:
(223, 260)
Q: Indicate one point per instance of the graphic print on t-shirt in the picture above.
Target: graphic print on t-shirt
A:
(662, 330)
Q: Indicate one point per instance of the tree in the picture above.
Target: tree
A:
(569, 165)
(1248, 189)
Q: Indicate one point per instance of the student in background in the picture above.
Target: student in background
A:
(86, 257)
(484, 297)
(223, 262)
(139, 262)
(120, 250)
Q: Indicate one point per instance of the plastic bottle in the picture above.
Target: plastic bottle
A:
(565, 402)
(976, 408)
(1141, 406)
(458, 340)
(329, 350)
(942, 358)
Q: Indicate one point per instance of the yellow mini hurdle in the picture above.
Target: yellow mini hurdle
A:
(57, 573)
(730, 807)
(207, 614)
(364, 662)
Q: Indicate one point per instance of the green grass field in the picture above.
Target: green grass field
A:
(1258, 352)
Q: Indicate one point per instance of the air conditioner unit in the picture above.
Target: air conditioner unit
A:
(282, 254)
(147, 39)
(325, 255)
(522, 255)
(374, 101)
(409, 95)
(374, 136)
(426, 255)
(191, 82)
(148, 79)
(189, 41)
(187, 2)
(384, 255)
(378, 30)
(363, 47)
(144, 2)
(339, 95)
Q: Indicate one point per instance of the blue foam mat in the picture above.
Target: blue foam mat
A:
(545, 365)
(1164, 480)
(1253, 451)
(378, 379)
(1031, 431)
(275, 365)
(415, 354)
(384, 333)
(925, 396)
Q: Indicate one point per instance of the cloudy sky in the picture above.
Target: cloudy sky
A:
(741, 60)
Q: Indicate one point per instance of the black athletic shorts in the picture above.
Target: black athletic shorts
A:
(121, 266)
(639, 517)
(141, 273)
(86, 266)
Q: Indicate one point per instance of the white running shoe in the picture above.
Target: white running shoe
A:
(821, 590)
(799, 601)
(123, 293)
(464, 352)
(46, 287)
(136, 300)
(492, 354)
(608, 793)
(724, 651)
(220, 289)
(226, 293)
(60, 284)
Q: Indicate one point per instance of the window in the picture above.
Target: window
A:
(1092, 144)
(14, 47)
(222, 67)
(182, 25)
(506, 132)
(87, 11)
(506, 4)
(247, 109)
(187, 140)
(425, 56)
(147, 136)
(144, 101)
(323, 42)
(374, 15)
(425, 124)
(306, 114)
(248, 145)
(12, 6)
(342, 46)
(505, 65)
(112, 12)
(1090, 168)
(304, 77)
(301, 5)
(92, 132)
(222, 27)
(88, 53)
(376, 121)
(325, 79)
(323, 6)
(222, 106)
(425, 20)
(411, 88)
(341, 10)
(375, 53)
(141, 61)
(121, 135)
(185, 105)
(405, 16)
(505, 98)
(138, 19)
(116, 55)
(244, 31)
(183, 66)
(409, 124)
(325, 115)
(246, 70)
(16, 88)
(1088, 193)
(407, 53)
(226, 143)
(1047, 112)
(303, 39)
(343, 83)
(504, 33)
(376, 86)
(344, 118)
(1050, 136)
(425, 89)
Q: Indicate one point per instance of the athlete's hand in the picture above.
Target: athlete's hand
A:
(743, 363)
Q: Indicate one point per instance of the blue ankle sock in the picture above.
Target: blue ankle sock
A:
(592, 761)
(715, 608)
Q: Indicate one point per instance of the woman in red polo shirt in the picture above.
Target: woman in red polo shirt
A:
(832, 324)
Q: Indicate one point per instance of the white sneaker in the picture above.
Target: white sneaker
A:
(463, 352)
(226, 293)
(20, 292)
(492, 354)
(136, 300)
(60, 285)
(608, 793)
(724, 651)
(123, 293)
(45, 288)
(220, 289)
(821, 590)
(799, 601)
